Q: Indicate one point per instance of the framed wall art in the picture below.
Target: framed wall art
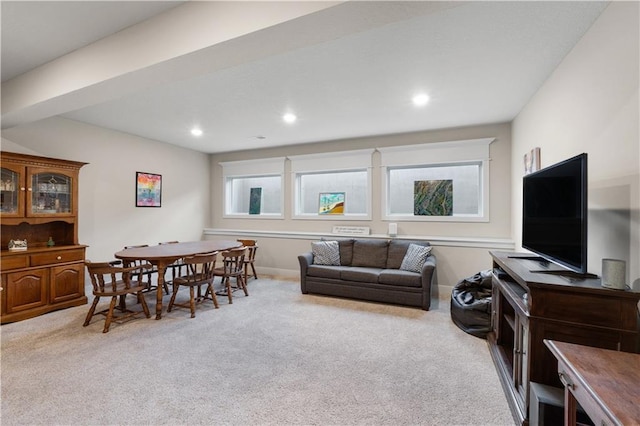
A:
(532, 161)
(433, 197)
(148, 190)
(331, 203)
(255, 200)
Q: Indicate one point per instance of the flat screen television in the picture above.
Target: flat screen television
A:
(554, 219)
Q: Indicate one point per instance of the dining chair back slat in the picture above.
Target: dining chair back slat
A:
(199, 272)
(250, 258)
(111, 280)
(233, 267)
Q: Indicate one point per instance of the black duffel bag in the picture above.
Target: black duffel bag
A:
(471, 304)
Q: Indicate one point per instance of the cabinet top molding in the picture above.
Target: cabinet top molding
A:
(34, 160)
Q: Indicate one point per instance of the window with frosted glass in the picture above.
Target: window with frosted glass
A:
(265, 190)
(466, 180)
(353, 183)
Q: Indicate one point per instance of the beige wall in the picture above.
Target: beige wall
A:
(461, 247)
(108, 218)
(590, 104)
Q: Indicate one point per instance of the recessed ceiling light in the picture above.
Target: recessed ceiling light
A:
(420, 99)
(289, 118)
(196, 132)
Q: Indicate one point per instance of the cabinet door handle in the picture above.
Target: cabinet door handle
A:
(566, 381)
(59, 258)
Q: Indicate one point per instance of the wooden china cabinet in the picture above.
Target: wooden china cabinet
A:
(39, 203)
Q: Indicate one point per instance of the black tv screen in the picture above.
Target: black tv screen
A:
(554, 222)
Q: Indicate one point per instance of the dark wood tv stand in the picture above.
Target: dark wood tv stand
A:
(528, 307)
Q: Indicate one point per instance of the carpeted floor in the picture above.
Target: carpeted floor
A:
(276, 357)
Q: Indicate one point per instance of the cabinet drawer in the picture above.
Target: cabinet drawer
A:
(589, 309)
(42, 259)
(14, 262)
(588, 403)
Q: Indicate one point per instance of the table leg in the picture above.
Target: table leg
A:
(162, 268)
(570, 406)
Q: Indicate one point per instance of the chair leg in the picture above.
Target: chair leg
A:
(228, 285)
(176, 287)
(112, 306)
(255, 274)
(241, 283)
(213, 295)
(91, 311)
(123, 303)
(192, 301)
(199, 294)
(143, 302)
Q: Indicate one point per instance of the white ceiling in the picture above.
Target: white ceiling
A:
(480, 62)
(36, 32)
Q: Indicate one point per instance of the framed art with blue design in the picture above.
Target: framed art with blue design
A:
(331, 203)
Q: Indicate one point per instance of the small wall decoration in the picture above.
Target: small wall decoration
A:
(532, 161)
(255, 200)
(331, 203)
(148, 190)
(433, 197)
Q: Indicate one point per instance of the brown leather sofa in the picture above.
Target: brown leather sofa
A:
(370, 270)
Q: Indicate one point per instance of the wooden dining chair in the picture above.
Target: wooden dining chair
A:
(232, 267)
(199, 272)
(177, 268)
(110, 280)
(250, 257)
(148, 275)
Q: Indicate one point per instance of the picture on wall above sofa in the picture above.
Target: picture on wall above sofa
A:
(331, 203)
(433, 197)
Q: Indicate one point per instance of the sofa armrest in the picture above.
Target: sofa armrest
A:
(305, 260)
(429, 279)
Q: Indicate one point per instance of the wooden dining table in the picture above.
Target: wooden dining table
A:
(164, 255)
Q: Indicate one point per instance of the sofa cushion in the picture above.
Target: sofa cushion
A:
(326, 253)
(346, 251)
(370, 253)
(323, 271)
(397, 250)
(415, 257)
(360, 274)
(400, 278)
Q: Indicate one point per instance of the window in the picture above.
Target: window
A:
(347, 173)
(254, 188)
(445, 181)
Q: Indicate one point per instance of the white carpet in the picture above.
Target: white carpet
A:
(276, 357)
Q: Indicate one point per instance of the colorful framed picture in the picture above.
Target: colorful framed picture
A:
(331, 203)
(532, 161)
(433, 197)
(148, 190)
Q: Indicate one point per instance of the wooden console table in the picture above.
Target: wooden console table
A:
(529, 306)
(605, 383)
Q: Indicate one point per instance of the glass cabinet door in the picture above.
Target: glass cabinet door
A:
(11, 190)
(50, 193)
